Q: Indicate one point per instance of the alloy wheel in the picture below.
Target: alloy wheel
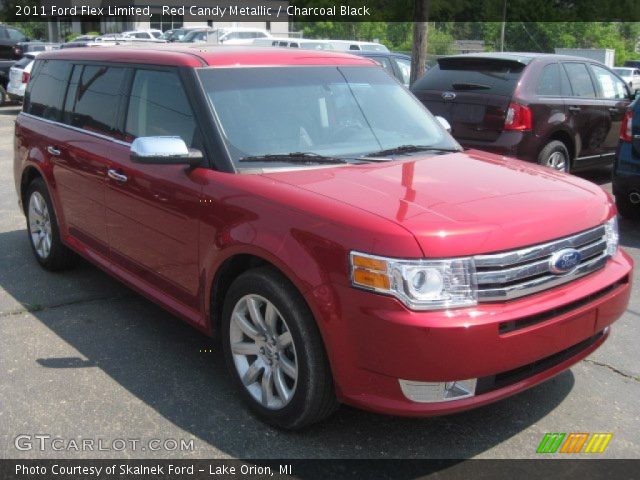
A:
(557, 161)
(40, 225)
(263, 351)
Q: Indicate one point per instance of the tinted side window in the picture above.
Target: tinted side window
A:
(45, 91)
(94, 97)
(580, 79)
(565, 86)
(549, 82)
(610, 86)
(159, 106)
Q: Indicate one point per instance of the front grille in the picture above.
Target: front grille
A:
(504, 379)
(516, 273)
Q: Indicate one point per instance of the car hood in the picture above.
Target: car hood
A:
(463, 203)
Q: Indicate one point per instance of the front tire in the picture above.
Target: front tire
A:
(43, 231)
(555, 155)
(274, 351)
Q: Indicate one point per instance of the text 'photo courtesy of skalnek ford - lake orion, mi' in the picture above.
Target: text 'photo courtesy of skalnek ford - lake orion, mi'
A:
(307, 239)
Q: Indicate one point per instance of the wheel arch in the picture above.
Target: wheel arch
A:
(29, 174)
(231, 268)
(566, 138)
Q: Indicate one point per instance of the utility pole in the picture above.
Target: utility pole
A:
(504, 21)
(420, 30)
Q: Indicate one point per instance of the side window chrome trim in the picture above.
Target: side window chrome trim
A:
(81, 130)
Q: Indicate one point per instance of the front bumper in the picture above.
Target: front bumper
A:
(373, 341)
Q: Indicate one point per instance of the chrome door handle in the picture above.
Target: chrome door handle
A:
(53, 150)
(118, 177)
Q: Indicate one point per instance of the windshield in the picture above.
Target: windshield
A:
(344, 112)
(623, 72)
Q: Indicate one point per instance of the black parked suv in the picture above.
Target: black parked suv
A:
(10, 38)
(560, 111)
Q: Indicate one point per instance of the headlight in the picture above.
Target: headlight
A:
(419, 284)
(612, 236)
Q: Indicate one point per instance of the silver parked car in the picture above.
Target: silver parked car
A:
(631, 77)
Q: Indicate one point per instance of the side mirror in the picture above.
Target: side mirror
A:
(164, 151)
(443, 122)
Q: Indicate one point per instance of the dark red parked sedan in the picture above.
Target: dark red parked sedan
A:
(560, 111)
(309, 209)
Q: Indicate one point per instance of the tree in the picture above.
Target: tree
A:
(420, 30)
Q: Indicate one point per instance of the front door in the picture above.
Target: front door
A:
(152, 210)
(615, 100)
(584, 114)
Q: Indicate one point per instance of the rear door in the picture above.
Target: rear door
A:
(547, 105)
(92, 108)
(152, 210)
(472, 93)
(615, 98)
(585, 114)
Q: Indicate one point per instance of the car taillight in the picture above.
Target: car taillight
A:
(518, 117)
(25, 77)
(625, 127)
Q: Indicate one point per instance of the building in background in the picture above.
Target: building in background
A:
(602, 55)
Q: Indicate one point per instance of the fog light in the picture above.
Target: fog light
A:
(428, 392)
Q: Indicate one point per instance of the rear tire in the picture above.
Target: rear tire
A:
(4, 96)
(555, 155)
(43, 231)
(627, 209)
(274, 351)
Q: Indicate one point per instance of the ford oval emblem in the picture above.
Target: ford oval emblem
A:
(448, 95)
(564, 261)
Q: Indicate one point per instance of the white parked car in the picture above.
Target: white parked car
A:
(315, 44)
(19, 75)
(631, 77)
(304, 43)
(144, 35)
(226, 35)
(240, 35)
(357, 45)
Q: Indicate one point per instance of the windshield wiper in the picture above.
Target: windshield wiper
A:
(470, 86)
(411, 149)
(294, 157)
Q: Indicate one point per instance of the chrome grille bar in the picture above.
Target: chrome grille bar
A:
(508, 275)
(538, 251)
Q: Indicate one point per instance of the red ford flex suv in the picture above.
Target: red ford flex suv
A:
(306, 207)
(560, 111)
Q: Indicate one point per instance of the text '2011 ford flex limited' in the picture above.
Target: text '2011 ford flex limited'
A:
(306, 207)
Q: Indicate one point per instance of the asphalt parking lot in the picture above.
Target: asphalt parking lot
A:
(83, 357)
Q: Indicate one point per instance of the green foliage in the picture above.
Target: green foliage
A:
(398, 36)
(519, 36)
(33, 30)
